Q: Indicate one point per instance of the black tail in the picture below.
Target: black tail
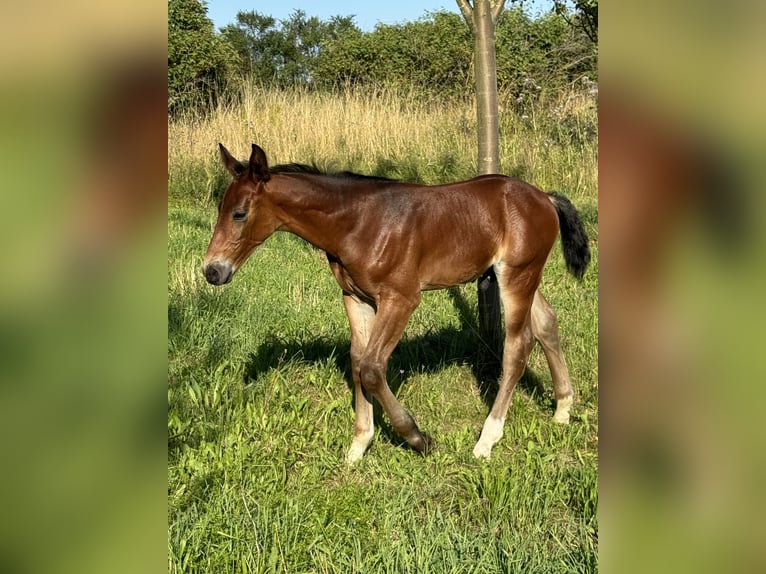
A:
(574, 241)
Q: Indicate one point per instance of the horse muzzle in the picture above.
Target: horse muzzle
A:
(218, 272)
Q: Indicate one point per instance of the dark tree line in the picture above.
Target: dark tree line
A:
(432, 56)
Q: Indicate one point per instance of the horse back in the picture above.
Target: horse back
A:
(451, 234)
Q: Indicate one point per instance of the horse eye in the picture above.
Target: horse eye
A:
(239, 215)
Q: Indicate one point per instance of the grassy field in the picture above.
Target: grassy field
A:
(259, 407)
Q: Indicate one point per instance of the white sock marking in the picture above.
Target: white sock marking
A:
(490, 434)
(562, 409)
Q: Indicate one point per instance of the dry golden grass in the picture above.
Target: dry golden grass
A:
(298, 125)
(387, 133)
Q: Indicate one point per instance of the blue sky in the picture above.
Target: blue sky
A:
(367, 12)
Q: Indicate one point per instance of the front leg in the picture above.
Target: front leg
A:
(360, 318)
(394, 311)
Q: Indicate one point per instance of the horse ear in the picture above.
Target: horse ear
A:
(234, 167)
(258, 166)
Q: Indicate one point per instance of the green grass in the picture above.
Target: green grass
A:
(260, 415)
(259, 408)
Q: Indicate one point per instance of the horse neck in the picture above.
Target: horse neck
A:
(311, 207)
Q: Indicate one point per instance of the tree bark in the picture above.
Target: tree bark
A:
(481, 18)
(486, 88)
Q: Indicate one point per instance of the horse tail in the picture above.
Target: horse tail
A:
(574, 240)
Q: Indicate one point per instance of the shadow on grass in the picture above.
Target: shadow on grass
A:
(428, 353)
(487, 365)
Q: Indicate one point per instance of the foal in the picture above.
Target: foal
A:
(387, 241)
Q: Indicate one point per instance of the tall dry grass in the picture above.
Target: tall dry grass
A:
(552, 145)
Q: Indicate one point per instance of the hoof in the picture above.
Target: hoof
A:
(563, 405)
(356, 450)
(561, 417)
(491, 433)
(423, 443)
(353, 456)
(429, 444)
(482, 450)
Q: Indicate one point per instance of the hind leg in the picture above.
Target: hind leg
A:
(517, 290)
(545, 328)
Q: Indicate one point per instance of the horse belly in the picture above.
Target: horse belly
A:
(454, 269)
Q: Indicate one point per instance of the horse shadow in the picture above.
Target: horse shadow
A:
(428, 353)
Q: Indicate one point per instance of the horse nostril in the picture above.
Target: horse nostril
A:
(218, 272)
(212, 274)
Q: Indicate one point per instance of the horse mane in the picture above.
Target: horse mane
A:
(314, 170)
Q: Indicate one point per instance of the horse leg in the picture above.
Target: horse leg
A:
(517, 292)
(545, 328)
(360, 317)
(393, 313)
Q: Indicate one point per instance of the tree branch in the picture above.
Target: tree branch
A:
(496, 6)
(584, 19)
(467, 11)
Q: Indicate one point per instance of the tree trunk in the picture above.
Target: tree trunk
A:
(481, 19)
(486, 88)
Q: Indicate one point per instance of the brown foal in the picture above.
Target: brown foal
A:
(386, 241)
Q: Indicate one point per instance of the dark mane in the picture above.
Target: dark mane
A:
(314, 170)
(296, 168)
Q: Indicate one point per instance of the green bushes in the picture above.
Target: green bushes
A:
(430, 58)
(200, 62)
